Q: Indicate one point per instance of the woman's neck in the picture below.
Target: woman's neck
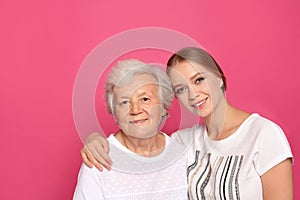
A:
(148, 147)
(224, 121)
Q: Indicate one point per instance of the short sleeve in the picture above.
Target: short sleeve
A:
(88, 185)
(273, 147)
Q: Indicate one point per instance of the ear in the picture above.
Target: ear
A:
(115, 119)
(164, 112)
(165, 115)
(220, 81)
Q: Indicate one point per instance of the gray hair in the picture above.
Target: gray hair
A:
(124, 71)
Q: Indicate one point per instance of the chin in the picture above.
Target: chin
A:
(203, 114)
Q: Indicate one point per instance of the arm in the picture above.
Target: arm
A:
(278, 181)
(274, 162)
(95, 152)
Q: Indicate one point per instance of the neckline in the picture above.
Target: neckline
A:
(233, 135)
(121, 147)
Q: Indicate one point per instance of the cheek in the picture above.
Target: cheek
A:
(156, 111)
(215, 84)
(120, 115)
(210, 86)
(183, 99)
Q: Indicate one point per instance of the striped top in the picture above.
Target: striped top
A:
(231, 168)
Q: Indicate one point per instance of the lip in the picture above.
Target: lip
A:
(199, 104)
(138, 121)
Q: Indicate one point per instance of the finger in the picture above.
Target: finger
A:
(107, 150)
(104, 164)
(89, 159)
(103, 153)
(105, 146)
(84, 157)
(94, 161)
(99, 158)
(99, 149)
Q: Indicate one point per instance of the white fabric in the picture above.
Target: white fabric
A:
(231, 168)
(114, 141)
(162, 183)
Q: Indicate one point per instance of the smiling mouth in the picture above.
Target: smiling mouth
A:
(199, 104)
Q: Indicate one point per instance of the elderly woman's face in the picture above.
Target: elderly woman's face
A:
(137, 107)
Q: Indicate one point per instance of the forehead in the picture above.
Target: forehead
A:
(139, 84)
(188, 68)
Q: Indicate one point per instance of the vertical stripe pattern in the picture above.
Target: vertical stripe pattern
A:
(214, 177)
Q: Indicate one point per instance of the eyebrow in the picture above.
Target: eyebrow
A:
(145, 93)
(141, 94)
(193, 77)
(124, 98)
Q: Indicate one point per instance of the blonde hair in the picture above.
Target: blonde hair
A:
(198, 56)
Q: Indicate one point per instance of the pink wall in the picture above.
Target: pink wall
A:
(43, 44)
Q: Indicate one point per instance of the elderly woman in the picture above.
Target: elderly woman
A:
(138, 96)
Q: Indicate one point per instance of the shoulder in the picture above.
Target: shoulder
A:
(87, 173)
(87, 177)
(264, 132)
(88, 184)
(262, 124)
(188, 135)
(273, 146)
(269, 135)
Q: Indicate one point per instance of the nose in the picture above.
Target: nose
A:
(135, 108)
(192, 93)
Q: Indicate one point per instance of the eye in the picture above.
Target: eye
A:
(125, 102)
(199, 80)
(145, 99)
(180, 90)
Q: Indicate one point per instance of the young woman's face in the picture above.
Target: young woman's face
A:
(137, 106)
(197, 89)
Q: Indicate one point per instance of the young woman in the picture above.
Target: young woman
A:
(233, 154)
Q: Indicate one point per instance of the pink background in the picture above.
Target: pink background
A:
(43, 44)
